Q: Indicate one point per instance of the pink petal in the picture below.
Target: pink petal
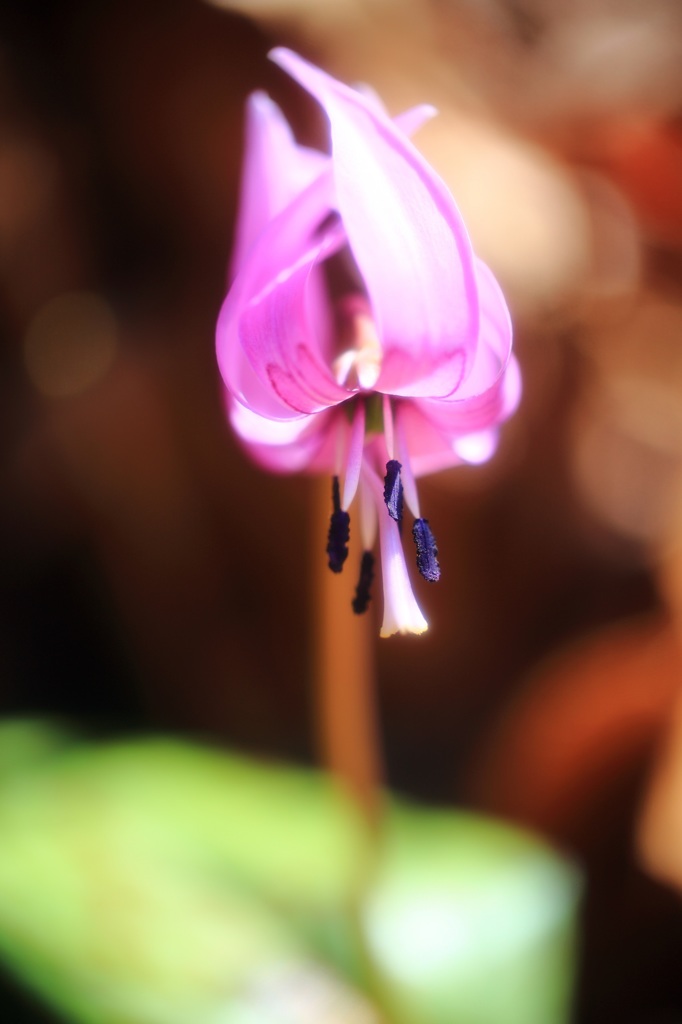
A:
(477, 448)
(286, 447)
(495, 335)
(271, 323)
(280, 341)
(410, 121)
(407, 237)
(492, 389)
(275, 169)
(430, 448)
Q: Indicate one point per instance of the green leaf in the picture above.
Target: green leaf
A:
(471, 921)
(156, 882)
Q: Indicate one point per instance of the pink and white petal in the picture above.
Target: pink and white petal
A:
(495, 335)
(280, 340)
(493, 388)
(274, 170)
(410, 121)
(480, 412)
(370, 95)
(407, 237)
(248, 389)
(450, 436)
(283, 447)
(430, 448)
(512, 390)
(477, 448)
(272, 312)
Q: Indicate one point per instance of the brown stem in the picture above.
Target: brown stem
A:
(346, 713)
(344, 670)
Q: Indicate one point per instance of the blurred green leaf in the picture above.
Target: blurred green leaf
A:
(471, 921)
(155, 882)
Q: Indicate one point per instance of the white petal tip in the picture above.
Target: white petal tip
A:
(477, 448)
(415, 629)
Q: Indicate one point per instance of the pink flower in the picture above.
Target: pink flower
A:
(361, 336)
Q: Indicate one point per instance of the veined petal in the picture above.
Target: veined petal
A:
(272, 321)
(280, 342)
(408, 240)
(275, 170)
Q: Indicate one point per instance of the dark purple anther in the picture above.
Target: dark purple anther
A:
(427, 552)
(393, 490)
(362, 591)
(339, 531)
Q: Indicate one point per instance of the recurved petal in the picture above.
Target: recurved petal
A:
(410, 121)
(480, 412)
(274, 170)
(430, 448)
(494, 348)
(291, 446)
(407, 237)
(279, 337)
(492, 390)
(272, 322)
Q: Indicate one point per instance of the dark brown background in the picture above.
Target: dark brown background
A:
(153, 579)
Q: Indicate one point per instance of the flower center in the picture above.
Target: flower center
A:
(360, 362)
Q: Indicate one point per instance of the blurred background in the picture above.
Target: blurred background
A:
(153, 580)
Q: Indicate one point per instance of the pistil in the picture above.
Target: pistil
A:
(427, 552)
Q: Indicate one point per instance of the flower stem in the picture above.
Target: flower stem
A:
(344, 673)
(347, 726)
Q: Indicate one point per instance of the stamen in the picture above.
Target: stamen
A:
(393, 490)
(427, 552)
(362, 592)
(356, 446)
(401, 612)
(339, 531)
(342, 366)
(368, 362)
(361, 362)
(406, 476)
(388, 426)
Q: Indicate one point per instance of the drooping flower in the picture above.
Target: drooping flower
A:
(361, 336)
